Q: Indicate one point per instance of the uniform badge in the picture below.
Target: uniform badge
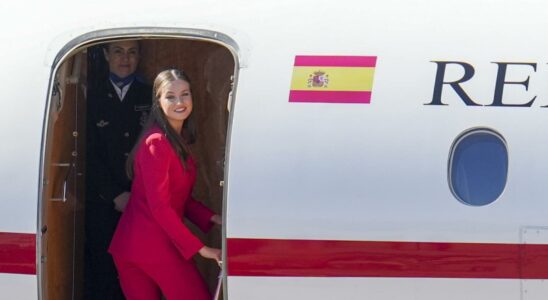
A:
(141, 107)
(102, 123)
(109, 95)
(318, 79)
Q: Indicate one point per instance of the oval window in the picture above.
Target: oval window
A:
(478, 167)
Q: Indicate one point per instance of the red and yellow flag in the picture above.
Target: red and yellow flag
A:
(332, 79)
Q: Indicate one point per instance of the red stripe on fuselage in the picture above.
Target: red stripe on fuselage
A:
(17, 253)
(321, 258)
(318, 258)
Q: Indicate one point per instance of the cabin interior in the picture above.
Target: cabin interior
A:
(211, 68)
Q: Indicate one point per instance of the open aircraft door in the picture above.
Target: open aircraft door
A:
(62, 200)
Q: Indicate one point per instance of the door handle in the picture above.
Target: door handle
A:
(63, 197)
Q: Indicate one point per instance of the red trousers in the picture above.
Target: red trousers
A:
(176, 280)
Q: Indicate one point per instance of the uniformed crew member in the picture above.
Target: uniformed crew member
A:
(116, 113)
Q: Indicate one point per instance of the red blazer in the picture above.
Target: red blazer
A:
(151, 226)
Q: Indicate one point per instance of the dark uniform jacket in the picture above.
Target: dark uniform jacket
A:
(113, 127)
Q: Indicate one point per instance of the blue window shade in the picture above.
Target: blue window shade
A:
(478, 167)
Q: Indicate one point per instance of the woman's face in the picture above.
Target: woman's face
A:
(122, 57)
(176, 102)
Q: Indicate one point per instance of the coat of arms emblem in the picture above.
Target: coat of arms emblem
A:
(318, 79)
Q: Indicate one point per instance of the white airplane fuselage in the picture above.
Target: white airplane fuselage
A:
(326, 198)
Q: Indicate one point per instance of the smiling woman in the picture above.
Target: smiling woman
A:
(122, 57)
(176, 101)
(152, 246)
(209, 63)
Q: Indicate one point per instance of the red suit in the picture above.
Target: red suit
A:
(152, 247)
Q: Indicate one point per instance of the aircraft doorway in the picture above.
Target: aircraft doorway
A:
(211, 68)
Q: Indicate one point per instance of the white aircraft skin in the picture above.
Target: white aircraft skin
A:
(338, 172)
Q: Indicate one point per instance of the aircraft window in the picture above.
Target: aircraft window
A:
(478, 166)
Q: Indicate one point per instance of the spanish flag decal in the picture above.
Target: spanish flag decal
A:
(332, 79)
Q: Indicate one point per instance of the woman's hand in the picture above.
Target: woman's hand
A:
(216, 219)
(211, 253)
(120, 201)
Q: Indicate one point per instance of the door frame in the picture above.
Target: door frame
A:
(99, 36)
